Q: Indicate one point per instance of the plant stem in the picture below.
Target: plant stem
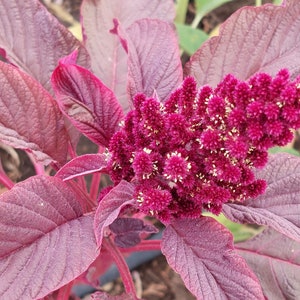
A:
(258, 2)
(39, 169)
(95, 186)
(181, 10)
(145, 245)
(96, 180)
(5, 180)
(121, 265)
(197, 20)
(81, 180)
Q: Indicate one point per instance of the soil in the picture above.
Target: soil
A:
(154, 280)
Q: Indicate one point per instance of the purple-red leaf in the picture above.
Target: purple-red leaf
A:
(87, 102)
(34, 40)
(275, 259)
(128, 230)
(82, 165)
(202, 252)
(279, 206)
(110, 207)
(45, 240)
(29, 117)
(153, 58)
(109, 60)
(257, 39)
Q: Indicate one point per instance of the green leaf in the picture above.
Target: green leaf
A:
(206, 6)
(203, 7)
(181, 9)
(240, 232)
(190, 39)
(284, 149)
(277, 2)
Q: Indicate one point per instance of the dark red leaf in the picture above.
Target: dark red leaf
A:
(256, 39)
(127, 231)
(82, 165)
(87, 102)
(202, 252)
(275, 259)
(110, 207)
(109, 60)
(45, 240)
(279, 206)
(29, 117)
(34, 40)
(153, 58)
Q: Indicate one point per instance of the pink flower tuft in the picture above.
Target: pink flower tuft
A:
(211, 139)
(274, 128)
(241, 95)
(200, 148)
(255, 109)
(153, 200)
(290, 114)
(237, 119)
(216, 106)
(255, 131)
(176, 167)
(237, 148)
(255, 189)
(271, 111)
(188, 96)
(142, 165)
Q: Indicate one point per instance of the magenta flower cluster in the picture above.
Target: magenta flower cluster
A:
(200, 148)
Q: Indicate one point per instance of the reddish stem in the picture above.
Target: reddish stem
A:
(86, 202)
(39, 168)
(96, 180)
(81, 180)
(5, 180)
(121, 265)
(145, 245)
(95, 186)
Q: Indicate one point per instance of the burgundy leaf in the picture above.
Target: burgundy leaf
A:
(256, 39)
(34, 40)
(275, 259)
(82, 165)
(109, 60)
(87, 102)
(74, 134)
(128, 230)
(202, 252)
(45, 240)
(279, 206)
(127, 240)
(153, 58)
(110, 207)
(29, 117)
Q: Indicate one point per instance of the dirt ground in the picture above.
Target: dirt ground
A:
(154, 280)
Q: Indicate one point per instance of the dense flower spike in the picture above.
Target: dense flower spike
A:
(199, 149)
